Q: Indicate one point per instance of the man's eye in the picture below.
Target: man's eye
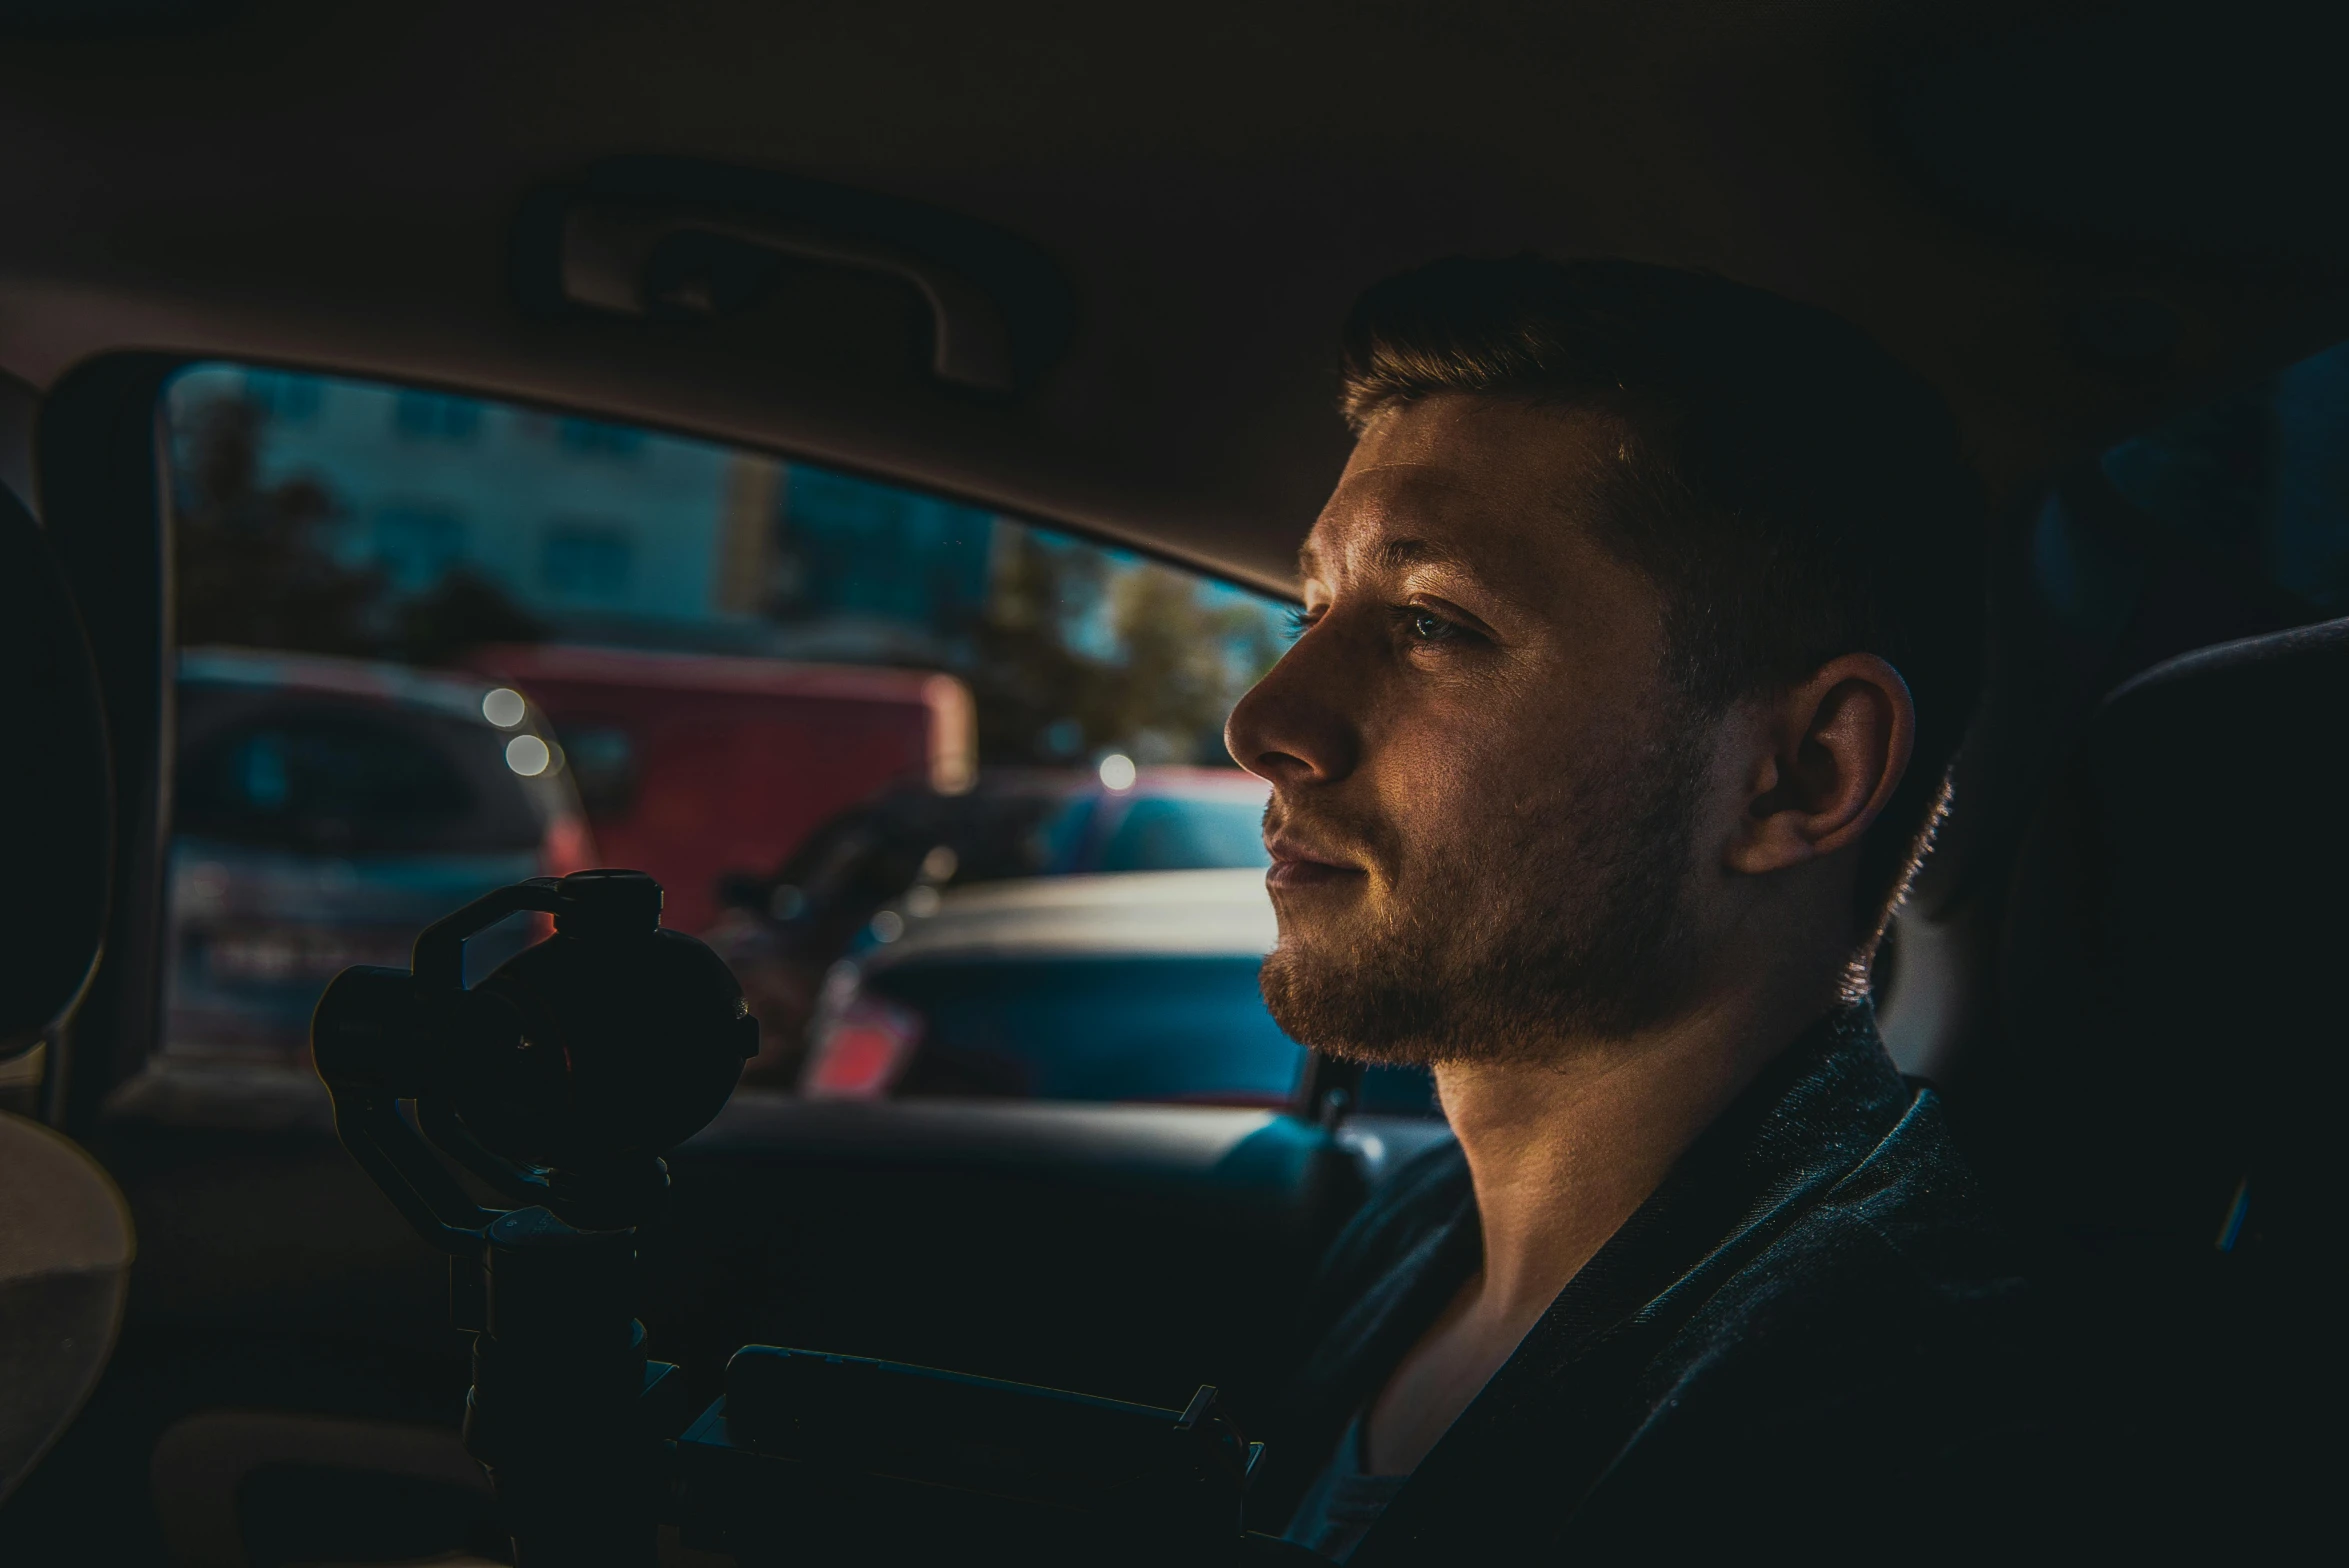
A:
(1427, 626)
(1300, 621)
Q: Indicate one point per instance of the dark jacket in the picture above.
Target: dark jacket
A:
(1806, 1338)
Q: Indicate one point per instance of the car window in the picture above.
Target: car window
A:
(2226, 521)
(433, 643)
(2259, 477)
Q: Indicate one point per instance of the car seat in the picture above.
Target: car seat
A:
(65, 1235)
(56, 794)
(2159, 1112)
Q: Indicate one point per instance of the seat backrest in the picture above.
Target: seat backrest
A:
(2176, 940)
(65, 1236)
(2161, 1109)
(56, 792)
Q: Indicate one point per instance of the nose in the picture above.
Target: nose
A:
(1293, 727)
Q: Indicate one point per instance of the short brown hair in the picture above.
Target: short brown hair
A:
(1793, 492)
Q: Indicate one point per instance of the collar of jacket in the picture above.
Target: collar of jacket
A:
(1811, 1116)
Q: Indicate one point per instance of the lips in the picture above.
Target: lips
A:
(1296, 864)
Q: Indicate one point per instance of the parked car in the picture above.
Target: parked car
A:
(1120, 986)
(1016, 822)
(328, 809)
(1145, 819)
(896, 851)
(693, 766)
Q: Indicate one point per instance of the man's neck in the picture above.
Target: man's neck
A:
(1562, 1151)
(1562, 1148)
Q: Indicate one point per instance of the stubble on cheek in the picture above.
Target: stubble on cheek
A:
(1372, 970)
(1539, 912)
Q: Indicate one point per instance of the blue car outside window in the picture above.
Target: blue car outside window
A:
(1116, 1028)
(1179, 833)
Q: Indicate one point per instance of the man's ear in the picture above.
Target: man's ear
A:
(1834, 750)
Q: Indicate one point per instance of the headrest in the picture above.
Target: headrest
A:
(2175, 947)
(56, 792)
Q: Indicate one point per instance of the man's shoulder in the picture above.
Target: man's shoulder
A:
(1894, 1290)
(1881, 1338)
(1912, 1208)
(1902, 1240)
(1906, 1222)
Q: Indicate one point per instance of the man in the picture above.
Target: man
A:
(1637, 639)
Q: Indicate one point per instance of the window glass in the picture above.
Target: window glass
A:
(2259, 478)
(2228, 521)
(871, 741)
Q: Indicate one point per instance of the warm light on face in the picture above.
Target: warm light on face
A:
(1117, 771)
(528, 755)
(503, 708)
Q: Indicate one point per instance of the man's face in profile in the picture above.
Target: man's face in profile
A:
(1486, 794)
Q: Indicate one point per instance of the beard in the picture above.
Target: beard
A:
(1494, 947)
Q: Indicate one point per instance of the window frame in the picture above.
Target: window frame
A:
(102, 445)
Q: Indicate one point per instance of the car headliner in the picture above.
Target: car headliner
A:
(337, 185)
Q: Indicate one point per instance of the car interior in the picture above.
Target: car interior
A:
(1084, 270)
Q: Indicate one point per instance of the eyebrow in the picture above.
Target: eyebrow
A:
(1396, 554)
(1393, 556)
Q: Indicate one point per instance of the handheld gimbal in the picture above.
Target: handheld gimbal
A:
(559, 1081)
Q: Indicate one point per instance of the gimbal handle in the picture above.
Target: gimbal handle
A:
(362, 1022)
(364, 1018)
(437, 962)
